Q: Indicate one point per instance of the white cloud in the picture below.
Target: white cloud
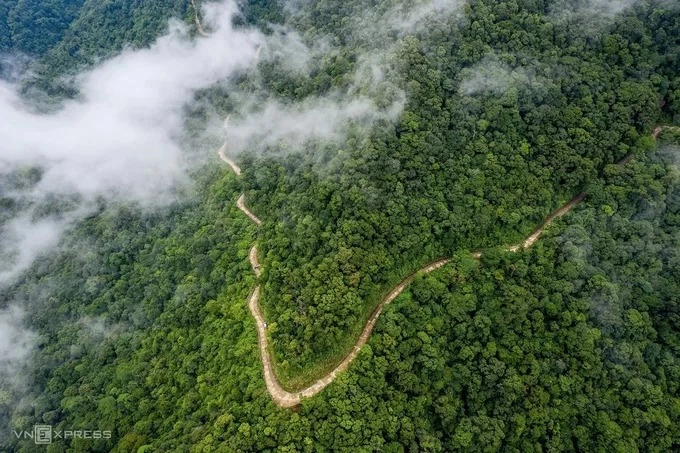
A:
(16, 342)
(491, 75)
(25, 240)
(121, 138)
(594, 14)
(315, 118)
(379, 26)
(607, 7)
(410, 19)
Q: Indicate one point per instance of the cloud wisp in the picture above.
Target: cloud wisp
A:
(295, 124)
(492, 76)
(380, 26)
(594, 15)
(373, 95)
(122, 138)
(16, 345)
(15, 342)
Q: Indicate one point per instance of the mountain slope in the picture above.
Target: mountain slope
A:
(140, 318)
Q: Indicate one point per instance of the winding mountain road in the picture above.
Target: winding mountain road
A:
(284, 398)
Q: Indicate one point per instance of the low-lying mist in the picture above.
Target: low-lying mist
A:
(120, 140)
(123, 138)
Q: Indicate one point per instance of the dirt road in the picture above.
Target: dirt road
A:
(533, 237)
(254, 262)
(659, 129)
(241, 203)
(284, 398)
(230, 162)
(199, 27)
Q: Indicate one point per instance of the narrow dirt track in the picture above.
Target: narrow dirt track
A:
(199, 27)
(230, 162)
(254, 262)
(658, 129)
(241, 203)
(533, 237)
(284, 398)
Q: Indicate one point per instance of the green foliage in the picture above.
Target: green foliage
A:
(573, 345)
(35, 26)
(463, 169)
(568, 346)
(5, 33)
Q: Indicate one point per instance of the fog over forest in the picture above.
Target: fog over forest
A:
(371, 140)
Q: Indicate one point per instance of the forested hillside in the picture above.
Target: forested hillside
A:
(32, 26)
(509, 115)
(64, 36)
(510, 108)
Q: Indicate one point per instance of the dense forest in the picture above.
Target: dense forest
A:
(466, 168)
(511, 108)
(33, 27)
